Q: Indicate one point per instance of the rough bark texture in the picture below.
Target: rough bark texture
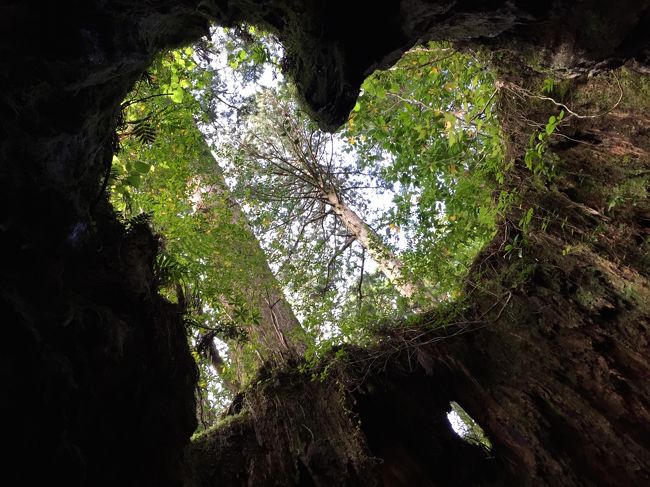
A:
(96, 372)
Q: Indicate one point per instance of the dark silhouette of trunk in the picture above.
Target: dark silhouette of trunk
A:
(550, 358)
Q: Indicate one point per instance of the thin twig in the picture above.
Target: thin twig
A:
(487, 104)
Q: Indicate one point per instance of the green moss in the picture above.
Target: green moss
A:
(636, 88)
(518, 274)
(224, 423)
(630, 293)
(623, 89)
(588, 298)
(628, 192)
(440, 315)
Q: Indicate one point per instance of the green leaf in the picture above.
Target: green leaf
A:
(133, 180)
(141, 167)
(452, 139)
(177, 95)
(548, 85)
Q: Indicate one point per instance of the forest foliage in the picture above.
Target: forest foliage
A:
(419, 162)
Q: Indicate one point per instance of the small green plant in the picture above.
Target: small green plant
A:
(629, 192)
(514, 246)
(534, 157)
(524, 223)
(548, 85)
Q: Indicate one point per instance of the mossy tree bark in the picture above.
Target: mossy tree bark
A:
(276, 337)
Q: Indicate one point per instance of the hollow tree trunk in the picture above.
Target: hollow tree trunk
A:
(97, 376)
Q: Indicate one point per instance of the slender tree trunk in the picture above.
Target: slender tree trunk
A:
(388, 262)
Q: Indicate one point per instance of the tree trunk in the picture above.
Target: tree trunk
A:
(277, 336)
(386, 260)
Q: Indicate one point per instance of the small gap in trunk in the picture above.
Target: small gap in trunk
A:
(466, 427)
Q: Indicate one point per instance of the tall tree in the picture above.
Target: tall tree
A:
(431, 119)
(275, 329)
(296, 165)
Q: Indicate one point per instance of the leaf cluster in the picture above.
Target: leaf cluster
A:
(428, 124)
